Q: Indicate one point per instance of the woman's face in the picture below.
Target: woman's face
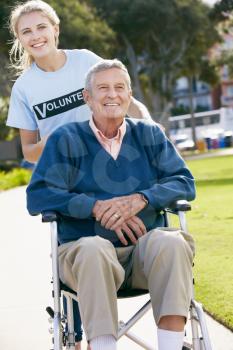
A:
(37, 34)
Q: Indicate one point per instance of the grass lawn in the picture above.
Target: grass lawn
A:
(211, 223)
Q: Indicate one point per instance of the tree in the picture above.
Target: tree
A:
(4, 31)
(158, 38)
(222, 15)
(221, 10)
(81, 27)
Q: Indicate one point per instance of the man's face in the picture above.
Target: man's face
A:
(110, 95)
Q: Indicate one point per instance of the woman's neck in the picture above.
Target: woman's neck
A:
(52, 62)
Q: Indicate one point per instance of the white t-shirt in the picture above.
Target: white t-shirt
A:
(46, 100)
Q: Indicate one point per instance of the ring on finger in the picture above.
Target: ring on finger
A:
(116, 215)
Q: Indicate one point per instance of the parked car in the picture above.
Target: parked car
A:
(183, 142)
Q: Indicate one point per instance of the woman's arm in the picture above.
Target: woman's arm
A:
(138, 110)
(31, 147)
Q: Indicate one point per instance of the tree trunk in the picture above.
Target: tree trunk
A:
(166, 87)
(154, 101)
(164, 120)
(134, 69)
(193, 124)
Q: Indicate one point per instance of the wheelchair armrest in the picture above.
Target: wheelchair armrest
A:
(49, 216)
(180, 205)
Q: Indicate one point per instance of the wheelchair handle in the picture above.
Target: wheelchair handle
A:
(180, 205)
(49, 216)
(50, 311)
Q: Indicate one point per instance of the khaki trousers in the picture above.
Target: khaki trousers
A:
(160, 262)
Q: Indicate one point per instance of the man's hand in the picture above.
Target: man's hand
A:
(134, 228)
(112, 213)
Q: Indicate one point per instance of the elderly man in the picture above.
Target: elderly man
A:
(108, 179)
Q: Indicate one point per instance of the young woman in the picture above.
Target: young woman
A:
(48, 92)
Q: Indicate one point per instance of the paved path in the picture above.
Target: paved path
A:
(211, 153)
(25, 284)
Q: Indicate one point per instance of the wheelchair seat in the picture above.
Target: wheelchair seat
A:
(122, 293)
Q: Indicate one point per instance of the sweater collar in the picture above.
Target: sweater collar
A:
(100, 136)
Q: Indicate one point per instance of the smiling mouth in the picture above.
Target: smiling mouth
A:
(111, 104)
(38, 45)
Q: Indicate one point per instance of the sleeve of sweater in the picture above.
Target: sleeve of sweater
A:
(174, 179)
(51, 185)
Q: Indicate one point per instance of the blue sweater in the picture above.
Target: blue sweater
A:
(74, 171)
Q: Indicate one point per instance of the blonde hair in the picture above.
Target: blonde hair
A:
(19, 58)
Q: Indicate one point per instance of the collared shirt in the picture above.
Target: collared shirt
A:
(113, 145)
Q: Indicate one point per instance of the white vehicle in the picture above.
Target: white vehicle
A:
(208, 124)
(183, 142)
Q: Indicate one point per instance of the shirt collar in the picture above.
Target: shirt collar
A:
(119, 136)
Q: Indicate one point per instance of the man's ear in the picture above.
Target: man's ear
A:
(130, 95)
(86, 96)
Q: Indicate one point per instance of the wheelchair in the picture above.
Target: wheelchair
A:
(63, 326)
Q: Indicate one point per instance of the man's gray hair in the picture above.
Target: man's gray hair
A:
(105, 65)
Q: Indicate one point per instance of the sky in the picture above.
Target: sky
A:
(210, 2)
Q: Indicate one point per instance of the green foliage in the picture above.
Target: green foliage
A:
(6, 133)
(168, 38)
(211, 223)
(226, 58)
(5, 76)
(221, 10)
(82, 28)
(221, 14)
(3, 112)
(208, 72)
(4, 32)
(14, 178)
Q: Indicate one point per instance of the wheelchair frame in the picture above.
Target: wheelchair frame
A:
(61, 337)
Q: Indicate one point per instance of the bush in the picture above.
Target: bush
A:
(14, 178)
(6, 133)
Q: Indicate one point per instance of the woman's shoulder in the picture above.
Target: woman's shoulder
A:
(146, 130)
(84, 55)
(143, 123)
(84, 52)
(22, 81)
